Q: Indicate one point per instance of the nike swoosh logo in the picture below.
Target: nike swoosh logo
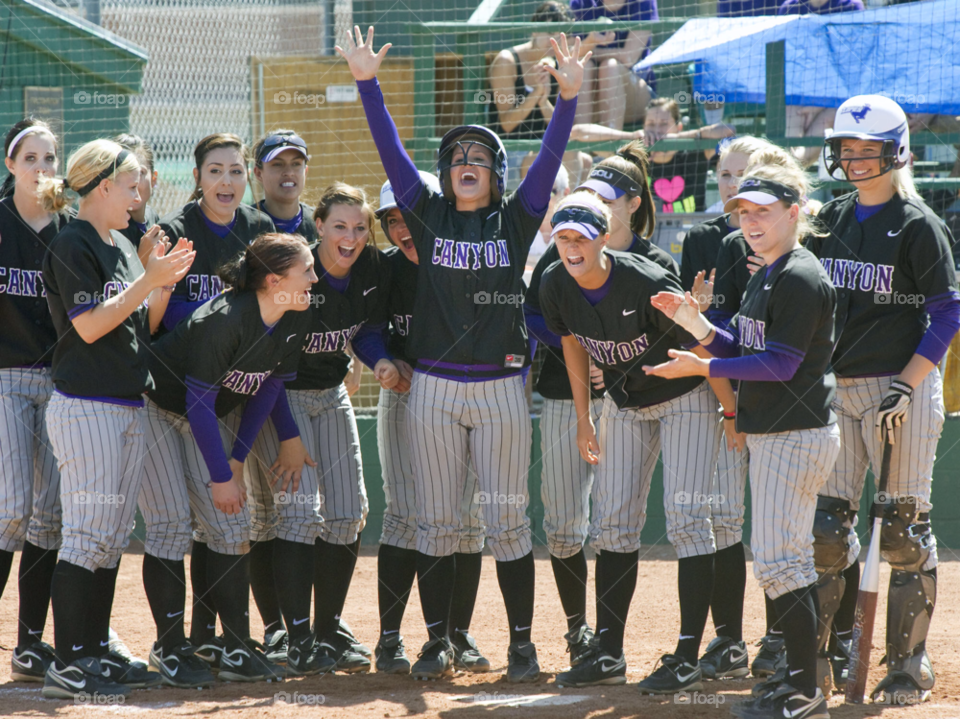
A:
(434, 624)
(800, 711)
(768, 287)
(608, 667)
(688, 677)
(77, 649)
(625, 313)
(71, 683)
(106, 672)
(894, 234)
(175, 614)
(25, 664)
(298, 622)
(172, 672)
(291, 336)
(737, 654)
(368, 291)
(520, 629)
(103, 644)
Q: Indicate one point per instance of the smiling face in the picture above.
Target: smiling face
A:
(860, 160)
(580, 254)
(116, 198)
(223, 180)
(283, 177)
(729, 174)
(622, 210)
(343, 236)
(471, 183)
(768, 228)
(145, 188)
(35, 157)
(293, 288)
(399, 235)
(657, 123)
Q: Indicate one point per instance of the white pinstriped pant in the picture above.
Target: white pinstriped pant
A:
(99, 449)
(911, 461)
(176, 493)
(787, 471)
(449, 422)
(688, 430)
(29, 480)
(400, 513)
(565, 477)
(331, 501)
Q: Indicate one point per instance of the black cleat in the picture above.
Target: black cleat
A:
(595, 668)
(275, 646)
(211, 651)
(725, 659)
(80, 679)
(361, 649)
(391, 655)
(522, 664)
(771, 657)
(785, 701)
(135, 675)
(674, 675)
(181, 667)
(337, 653)
(30, 663)
(304, 659)
(248, 663)
(579, 643)
(466, 655)
(435, 660)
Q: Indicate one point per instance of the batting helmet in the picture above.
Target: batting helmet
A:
(869, 117)
(463, 137)
(388, 201)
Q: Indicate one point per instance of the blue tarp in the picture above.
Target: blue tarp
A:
(909, 52)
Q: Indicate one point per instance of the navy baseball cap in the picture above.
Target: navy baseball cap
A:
(609, 183)
(273, 145)
(579, 219)
(761, 192)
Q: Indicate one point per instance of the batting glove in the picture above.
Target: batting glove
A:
(893, 409)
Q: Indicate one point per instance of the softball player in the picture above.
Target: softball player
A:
(142, 216)
(598, 302)
(235, 351)
(397, 558)
(467, 388)
(897, 310)
(793, 444)
(328, 506)
(96, 291)
(620, 183)
(30, 499)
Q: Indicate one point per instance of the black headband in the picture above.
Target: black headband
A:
(614, 177)
(104, 174)
(769, 187)
(580, 214)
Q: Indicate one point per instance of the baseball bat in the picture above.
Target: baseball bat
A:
(866, 611)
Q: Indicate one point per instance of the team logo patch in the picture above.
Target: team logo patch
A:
(857, 113)
(514, 360)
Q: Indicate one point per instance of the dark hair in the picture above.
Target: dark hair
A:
(272, 253)
(668, 104)
(259, 144)
(208, 145)
(138, 146)
(340, 193)
(631, 159)
(9, 181)
(552, 11)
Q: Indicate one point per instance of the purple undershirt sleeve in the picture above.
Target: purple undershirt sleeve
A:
(768, 366)
(255, 413)
(368, 345)
(944, 323)
(718, 318)
(202, 415)
(538, 184)
(537, 326)
(725, 344)
(282, 417)
(177, 309)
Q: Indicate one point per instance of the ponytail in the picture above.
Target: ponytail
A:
(632, 160)
(53, 193)
(272, 253)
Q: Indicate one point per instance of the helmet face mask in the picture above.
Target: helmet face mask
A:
(837, 165)
(873, 118)
(461, 141)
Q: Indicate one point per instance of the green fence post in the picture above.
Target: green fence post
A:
(474, 78)
(776, 90)
(424, 95)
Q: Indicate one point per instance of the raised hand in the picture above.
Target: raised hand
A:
(703, 289)
(667, 302)
(569, 70)
(361, 58)
(167, 268)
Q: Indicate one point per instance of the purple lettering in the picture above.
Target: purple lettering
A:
(866, 277)
(490, 254)
(437, 247)
(884, 283)
(461, 260)
(504, 255)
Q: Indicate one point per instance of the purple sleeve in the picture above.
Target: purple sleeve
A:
(283, 419)
(944, 323)
(725, 344)
(202, 415)
(525, 372)
(255, 413)
(769, 366)
(400, 169)
(537, 326)
(177, 309)
(368, 345)
(536, 187)
(719, 318)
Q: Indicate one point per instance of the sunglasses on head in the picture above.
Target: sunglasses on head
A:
(274, 141)
(581, 215)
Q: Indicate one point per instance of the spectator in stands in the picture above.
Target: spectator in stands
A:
(819, 7)
(612, 93)
(678, 178)
(747, 8)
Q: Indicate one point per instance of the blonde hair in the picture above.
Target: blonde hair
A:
(84, 166)
(903, 183)
(743, 145)
(793, 176)
(584, 198)
(340, 193)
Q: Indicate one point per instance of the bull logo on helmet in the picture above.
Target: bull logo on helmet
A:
(857, 113)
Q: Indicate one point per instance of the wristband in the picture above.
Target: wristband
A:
(729, 415)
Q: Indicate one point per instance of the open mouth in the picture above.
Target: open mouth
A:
(346, 252)
(860, 173)
(225, 198)
(406, 243)
(288, 185)
(756, 235)
(468, 179)
(574, 260)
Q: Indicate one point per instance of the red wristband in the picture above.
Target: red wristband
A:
(729, 415)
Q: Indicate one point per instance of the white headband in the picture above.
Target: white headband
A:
(22, 134)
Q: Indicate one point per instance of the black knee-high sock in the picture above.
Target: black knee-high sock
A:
(516, 580)
(293, 579)
(229, 580)
(263, 584)
(726, 604)
(6, 561)
(842, 629)
(70, 596)
(101, 605)
(203, 624)
(396, 569)
(773, 619)
(165, 583)
(36, 576)
(798, 620)
(616, 578)
(695, 587)
(435, 577)
(570, 575)
(333, 570)
(465, 584)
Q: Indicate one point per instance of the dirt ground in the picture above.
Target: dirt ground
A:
(651, 631)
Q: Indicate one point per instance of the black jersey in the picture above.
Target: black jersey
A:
(27, 334)
(553, 381)
(334, 318)
(470, 281)
(133, 232)
(203, 282)
(623, 331)
(885, 270)
(792, 310)
(700, 249)
(307, 229)
(403, 294)
(732, 273)
(80, 270)
(224, 344)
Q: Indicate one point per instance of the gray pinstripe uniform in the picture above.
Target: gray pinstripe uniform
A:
(94, 418)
